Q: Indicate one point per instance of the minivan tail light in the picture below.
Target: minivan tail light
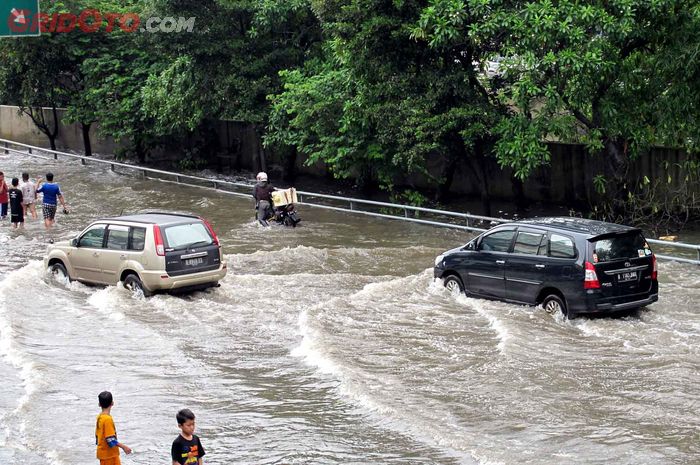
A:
(158, 239)
(654, 270)
(211, 230)
(591, 279)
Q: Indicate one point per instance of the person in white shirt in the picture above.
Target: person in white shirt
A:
(28, 196)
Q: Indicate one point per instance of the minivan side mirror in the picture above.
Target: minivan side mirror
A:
(470, 245)
(74, 242)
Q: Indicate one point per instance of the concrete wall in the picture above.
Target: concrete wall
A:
(19, 127)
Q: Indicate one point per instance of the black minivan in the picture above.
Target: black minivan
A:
(573, 265)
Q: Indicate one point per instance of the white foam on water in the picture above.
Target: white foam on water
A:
(484, 308)
(12, 293)
(107, 299)
(362, 387)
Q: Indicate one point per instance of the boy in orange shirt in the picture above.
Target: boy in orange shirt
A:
(106, 434)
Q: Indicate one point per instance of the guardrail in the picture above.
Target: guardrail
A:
(441, 218)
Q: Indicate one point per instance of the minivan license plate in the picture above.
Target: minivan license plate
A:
(194, 261)
(628, 276)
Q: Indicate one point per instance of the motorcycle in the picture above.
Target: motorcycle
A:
(287, 215)
(282, 210)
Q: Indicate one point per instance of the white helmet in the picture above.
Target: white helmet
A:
(262, 176)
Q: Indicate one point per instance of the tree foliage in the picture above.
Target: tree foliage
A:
(379, 90)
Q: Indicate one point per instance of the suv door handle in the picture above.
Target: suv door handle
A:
(95, 254)
(501, 262)
(539, 266)
(122, 257)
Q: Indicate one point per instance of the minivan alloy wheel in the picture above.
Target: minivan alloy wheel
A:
(453, 285)
(554, 304)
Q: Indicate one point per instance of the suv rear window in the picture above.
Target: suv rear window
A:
(620, 248)
(182, 236)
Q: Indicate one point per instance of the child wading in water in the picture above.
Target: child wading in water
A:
(106, 434)
(187, 449)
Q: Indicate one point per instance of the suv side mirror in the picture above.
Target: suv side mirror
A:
(74, 242)
(470, 245)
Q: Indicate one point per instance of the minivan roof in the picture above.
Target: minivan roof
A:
(159, 218)
(585, 226)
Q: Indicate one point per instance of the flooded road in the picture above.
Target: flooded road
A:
(329, 344)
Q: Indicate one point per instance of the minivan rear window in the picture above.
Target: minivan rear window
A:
(620, 248)
(182, 236)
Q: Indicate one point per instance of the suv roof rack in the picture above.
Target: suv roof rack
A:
(165, 212)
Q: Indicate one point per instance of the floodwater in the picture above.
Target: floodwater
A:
(328, 344)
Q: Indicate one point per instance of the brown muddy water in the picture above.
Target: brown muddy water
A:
(327, 344)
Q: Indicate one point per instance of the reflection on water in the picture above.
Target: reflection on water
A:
(329, 343)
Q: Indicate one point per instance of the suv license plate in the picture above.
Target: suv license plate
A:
(194, 261)
(628, 276)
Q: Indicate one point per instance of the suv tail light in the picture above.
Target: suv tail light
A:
(654, 270)
(591, 279)
(158, 239)
(211, 231)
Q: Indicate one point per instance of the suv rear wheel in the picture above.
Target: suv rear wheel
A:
(453, 284)
(133, 283)
(553, 304)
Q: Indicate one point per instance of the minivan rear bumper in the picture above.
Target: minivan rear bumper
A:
(592, 304)
(159, 280)
(608, 307)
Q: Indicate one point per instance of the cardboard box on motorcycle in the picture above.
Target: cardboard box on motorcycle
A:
(284, 197)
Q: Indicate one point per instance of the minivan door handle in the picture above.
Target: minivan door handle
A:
(95, 254)
(539, 266)
(122, 257)
(501, 262)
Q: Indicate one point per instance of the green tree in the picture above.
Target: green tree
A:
(228, 65)
(382, 103)
(611, 75)
(31, 78)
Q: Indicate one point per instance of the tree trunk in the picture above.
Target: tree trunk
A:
(617, 167)
(52, 141)
(140, 150)
(39, 119)
(448, 174)
(261, 159)
(478, 166)
(290, 169)
(86, 138)
(521, 203)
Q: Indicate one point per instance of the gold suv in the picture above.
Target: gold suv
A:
(147, 252)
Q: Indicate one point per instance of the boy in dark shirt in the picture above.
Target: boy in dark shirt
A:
(16, 210)
(187, 449)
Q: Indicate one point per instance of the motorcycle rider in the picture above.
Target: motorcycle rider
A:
(262, 193)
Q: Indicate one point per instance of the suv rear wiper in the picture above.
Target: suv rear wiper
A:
(194, 244)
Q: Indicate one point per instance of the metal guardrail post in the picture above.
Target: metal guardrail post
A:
(352, 205)
(177, 178)
(7, 152)
(405, 212)
(29, 150)
(216, 184)
(111, 166)
(55, 156)
(143, 174)
(82, 161)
